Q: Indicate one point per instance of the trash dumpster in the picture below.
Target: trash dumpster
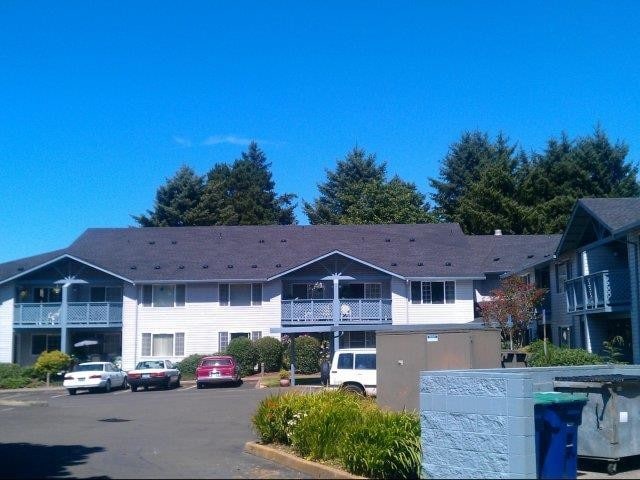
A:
(610, 427)
(557, 417)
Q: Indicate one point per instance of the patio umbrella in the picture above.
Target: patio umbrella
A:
(85, 343)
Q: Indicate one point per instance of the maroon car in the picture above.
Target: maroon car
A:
(217, 369)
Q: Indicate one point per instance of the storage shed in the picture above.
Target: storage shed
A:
(403, 351)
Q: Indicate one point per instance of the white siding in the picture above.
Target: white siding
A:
(6, 323)
(399, 304)
(200, 319)
(129, 333)
(459, 312)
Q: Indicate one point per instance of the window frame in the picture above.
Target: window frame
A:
(149, 344)
(47, 344)
(426, 290)
(256, 293)
(179, 299)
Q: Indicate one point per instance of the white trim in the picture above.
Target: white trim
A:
(444, 279)
(66, 255)
(334, 252)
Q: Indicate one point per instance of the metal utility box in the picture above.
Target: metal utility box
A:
(610, 427)
(404, 351)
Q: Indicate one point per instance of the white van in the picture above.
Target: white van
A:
(354, 369)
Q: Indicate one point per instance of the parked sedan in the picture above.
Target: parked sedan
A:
(217, 369)
(157, 373)
(94, 376)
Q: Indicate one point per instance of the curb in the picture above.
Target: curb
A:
(24, 403)
(313, 469)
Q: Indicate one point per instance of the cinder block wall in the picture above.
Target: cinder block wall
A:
(480, 423)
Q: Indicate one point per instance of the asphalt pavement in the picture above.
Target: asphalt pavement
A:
(179, 433)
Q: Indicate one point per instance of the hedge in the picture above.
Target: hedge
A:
(245, 353)
(270, 353)
(559, 356)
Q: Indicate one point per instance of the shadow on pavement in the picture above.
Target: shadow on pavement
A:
(625, 465)
(28, 460)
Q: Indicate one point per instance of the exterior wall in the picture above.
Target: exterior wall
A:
(130, 336)
(633, 249)
(201, 319)
(6, 323)
(399, 301)
(480, 423)
(459, 312)
(602, 258)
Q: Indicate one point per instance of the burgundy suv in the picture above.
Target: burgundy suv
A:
(217, 369)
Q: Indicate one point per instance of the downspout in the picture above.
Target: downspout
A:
(135, 339)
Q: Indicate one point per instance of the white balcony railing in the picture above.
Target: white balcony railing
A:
(296, 312)
(603, 291)
(79, 314)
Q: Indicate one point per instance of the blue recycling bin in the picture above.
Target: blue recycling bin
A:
(557, 418)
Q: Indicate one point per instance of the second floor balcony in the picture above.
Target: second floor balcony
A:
(605, 291)
(79, 314)
(349, 311)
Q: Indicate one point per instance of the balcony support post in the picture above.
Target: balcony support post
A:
(63, 318)
(336, 311)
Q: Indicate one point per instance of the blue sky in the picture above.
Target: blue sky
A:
(101, 102)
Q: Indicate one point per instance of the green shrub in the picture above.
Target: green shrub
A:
(559, 356)
(14, 382)
(52, 362)
(245, 353)
(270, 353)
(13, 375)
(10, 370)
(188, 365)
(345, 429)
(307, 354)
(384, 445)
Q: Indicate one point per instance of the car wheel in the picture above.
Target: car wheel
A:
(134, 388)
(146, 388)
(199, 384)
(107, 387)
(72, 391)
(124, 383)
(353, 388)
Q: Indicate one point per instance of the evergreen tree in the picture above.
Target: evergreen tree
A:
(176, 201)
(462, 167)
(358, 192)
(243, 194)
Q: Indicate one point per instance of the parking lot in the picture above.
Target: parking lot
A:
(179, 433)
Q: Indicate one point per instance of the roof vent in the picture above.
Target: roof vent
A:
(205, 266)
(152, 242)
(495, 259)
(394, 264)
(278, 265)
(133, 267)
(157, 267)
(420, 264)
(21, 269)
(261, 240)
(412, 239)
(229, 266)
(254, 266)
(173, 242)
(497, 232)
(447, 264)
(181, 267)
(387, 240)
(531, 255)
(284, 240)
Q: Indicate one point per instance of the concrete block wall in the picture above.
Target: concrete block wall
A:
(480, 423)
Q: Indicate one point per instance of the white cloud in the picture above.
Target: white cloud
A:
(182, 141)
(231, 139)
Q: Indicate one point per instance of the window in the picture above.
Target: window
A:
(44, 343)
(365, 361)
(163, 295)
(345, 360)
(106, 294)
(433, 292)
(47, 295)
(257, 335)
(564, 336)
(364, 339)
(223, 341)
(561, 276)
(304, 291)
(240, 294)
(372, 290)
(162, 344)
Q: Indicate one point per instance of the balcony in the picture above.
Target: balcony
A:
(605, 291)
(79, 315)
(320, 312)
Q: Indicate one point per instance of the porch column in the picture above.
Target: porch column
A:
(336, 312)
(63, 318)
(634, 280)
(587, 333)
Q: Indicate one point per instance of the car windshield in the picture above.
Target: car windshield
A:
(216, 362)
(150, 364)
(89, 367)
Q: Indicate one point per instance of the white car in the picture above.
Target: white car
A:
(158, 373)
(354, 369)
(94, 376)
